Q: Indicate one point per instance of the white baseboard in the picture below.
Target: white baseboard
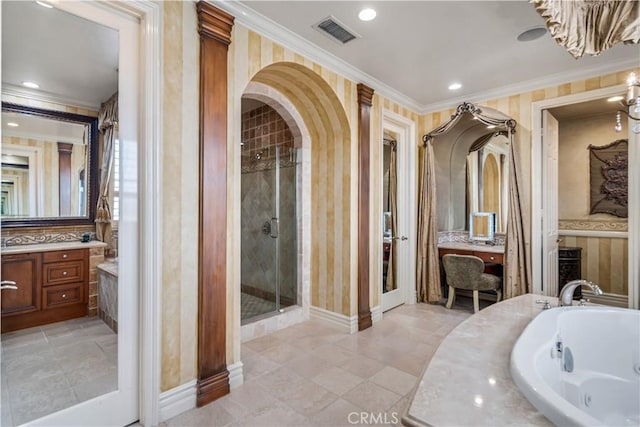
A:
(346, 323)
(236, 376)
(182, 398)
(177, 400)
(376, 314)
(607, 299)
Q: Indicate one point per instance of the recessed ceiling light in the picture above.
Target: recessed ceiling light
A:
(31, 85)
(12, 124)
(491, 127)
(45, 4)
(455, 86)
(367, 14)
(616, 98)
(532, 34)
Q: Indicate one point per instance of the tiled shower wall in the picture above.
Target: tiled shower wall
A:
(263, 130)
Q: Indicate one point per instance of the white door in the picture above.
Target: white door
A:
(120, 407)
(550, 203)
(401, 242)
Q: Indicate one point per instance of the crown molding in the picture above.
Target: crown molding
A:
(261, 24)
(42, 96)
(267, 27)
(533, 84)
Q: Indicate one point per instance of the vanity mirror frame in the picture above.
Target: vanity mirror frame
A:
(92, 169)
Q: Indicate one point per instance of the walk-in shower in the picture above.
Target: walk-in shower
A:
(268, 214)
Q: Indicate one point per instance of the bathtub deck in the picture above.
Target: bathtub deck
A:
(467, 383)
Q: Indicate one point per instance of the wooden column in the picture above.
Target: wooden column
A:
(64, 178)
(365, 98)
(214, 27)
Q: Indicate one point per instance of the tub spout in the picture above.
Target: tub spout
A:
(566, 295)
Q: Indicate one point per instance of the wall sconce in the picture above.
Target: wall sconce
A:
(632, 100)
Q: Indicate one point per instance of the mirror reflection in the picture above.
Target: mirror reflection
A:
(482, 226)
(487, 185)
(44, 166)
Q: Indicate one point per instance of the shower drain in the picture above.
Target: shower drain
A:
(587, 400)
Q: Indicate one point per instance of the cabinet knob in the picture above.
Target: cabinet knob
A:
(64, 273)
(64, 296)
(64, 255)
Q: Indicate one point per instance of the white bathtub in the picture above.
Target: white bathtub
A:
(603, 387)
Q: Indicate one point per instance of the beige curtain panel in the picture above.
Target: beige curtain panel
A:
(107, 125)
(517, 276)
(589, 27)
(428, 264)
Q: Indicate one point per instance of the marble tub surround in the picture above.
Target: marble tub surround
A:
(467, 382)
(108, 293)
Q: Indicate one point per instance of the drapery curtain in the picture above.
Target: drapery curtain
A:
(590, 26)
(393, 207)
(108, 127)
(517, 270)
(428, 264)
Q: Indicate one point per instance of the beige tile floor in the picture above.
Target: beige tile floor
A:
(48, 368)
(311, 374)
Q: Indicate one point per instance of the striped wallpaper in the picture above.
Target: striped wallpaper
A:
(518, 106)
(322, 97)
(605, 261)
(327, 103)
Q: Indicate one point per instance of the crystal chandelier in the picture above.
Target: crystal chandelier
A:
(633, 100)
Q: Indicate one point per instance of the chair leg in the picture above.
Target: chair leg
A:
(452, 296)
(498, 295)
(476, 305)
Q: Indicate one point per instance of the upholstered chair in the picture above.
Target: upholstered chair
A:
(466, 272)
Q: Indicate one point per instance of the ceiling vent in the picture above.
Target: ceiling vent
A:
(336, 30)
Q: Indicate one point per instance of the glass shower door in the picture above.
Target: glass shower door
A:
(261, 230)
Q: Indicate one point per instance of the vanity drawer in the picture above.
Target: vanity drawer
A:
(63, 272)
(56, 296)
(490, 257)
(443, 251)
(71, 255)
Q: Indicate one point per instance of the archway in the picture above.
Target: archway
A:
(321, 132)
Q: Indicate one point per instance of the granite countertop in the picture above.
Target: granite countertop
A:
(472, 247)
(467, 382)
(43, 247)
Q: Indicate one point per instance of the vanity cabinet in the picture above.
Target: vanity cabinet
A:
(24, 269)
(52, 286)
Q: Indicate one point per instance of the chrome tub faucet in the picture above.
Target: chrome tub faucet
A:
(566, 295)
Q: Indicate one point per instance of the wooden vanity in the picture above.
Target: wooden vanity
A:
(493, 257)
(55, 282)
(489, 254)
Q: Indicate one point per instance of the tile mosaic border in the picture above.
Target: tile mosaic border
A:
(591, 225)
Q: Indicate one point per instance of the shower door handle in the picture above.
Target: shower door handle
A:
(275, 228)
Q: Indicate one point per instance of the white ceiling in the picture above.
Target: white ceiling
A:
(43, 129)
(413, 48)
(69, 57)
(418, 48)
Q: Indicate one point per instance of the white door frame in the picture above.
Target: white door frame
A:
(141, 78)
(407, 224)
(538, 214)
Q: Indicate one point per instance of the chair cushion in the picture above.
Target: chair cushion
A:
(489, 282)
